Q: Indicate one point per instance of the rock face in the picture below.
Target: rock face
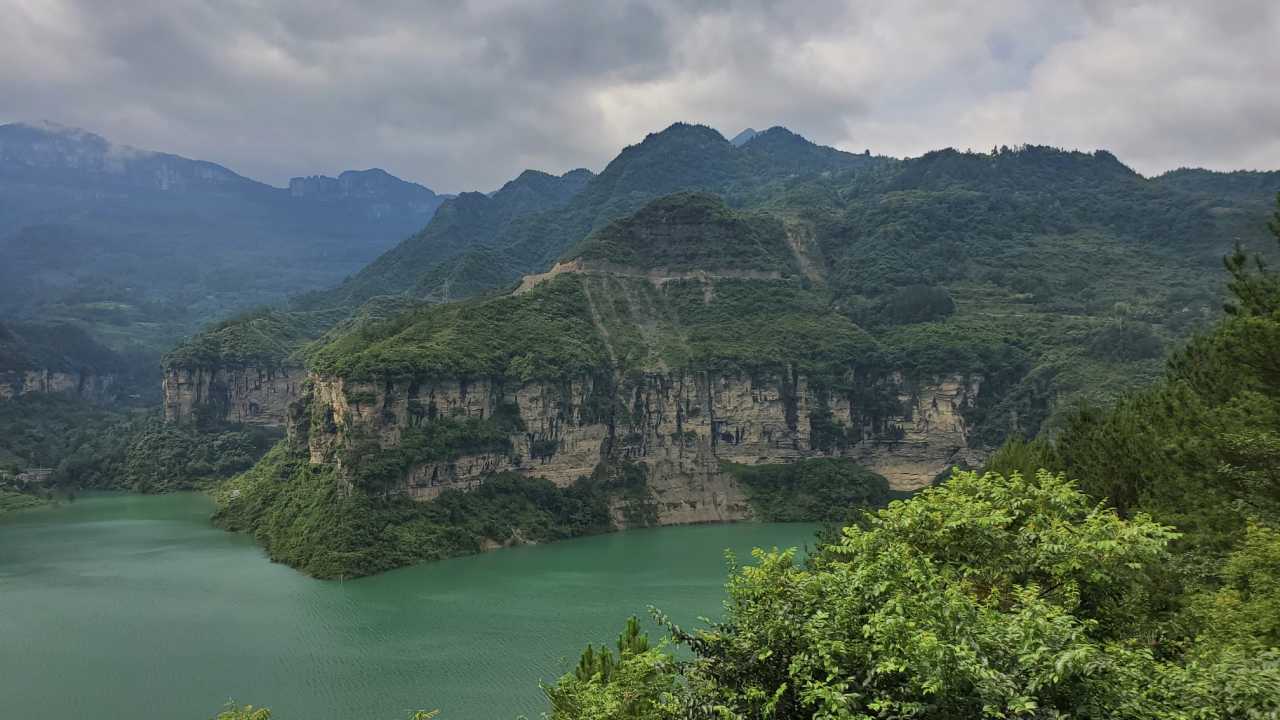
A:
(934, 435)
(681, 426)
(258, 396)
(87, 384)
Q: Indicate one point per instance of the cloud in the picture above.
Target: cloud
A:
(464, 94)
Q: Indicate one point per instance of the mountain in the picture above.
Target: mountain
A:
(894, 317)
(743, 137)
(512, 240)
(469, 220)
(142, 247)
(479, 243)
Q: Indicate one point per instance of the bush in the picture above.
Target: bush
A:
(821, 489)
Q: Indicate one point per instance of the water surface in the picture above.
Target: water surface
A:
(133, 607)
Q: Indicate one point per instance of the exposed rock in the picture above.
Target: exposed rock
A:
(681, 426)
(258, 396)
(85, 384)
(656, 276)
(934, 423)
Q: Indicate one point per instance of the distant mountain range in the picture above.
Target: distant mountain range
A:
(142, 247)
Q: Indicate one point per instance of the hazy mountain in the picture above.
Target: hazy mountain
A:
(743, 137)
(142, 246)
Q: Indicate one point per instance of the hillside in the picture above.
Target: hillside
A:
(462, 223)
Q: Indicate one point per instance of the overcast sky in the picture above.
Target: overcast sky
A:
(461, 94)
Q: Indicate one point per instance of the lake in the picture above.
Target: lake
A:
(129, 606)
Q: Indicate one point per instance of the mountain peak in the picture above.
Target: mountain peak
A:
(678, 131)
(48, 139)
(556, 188)
(744, 137)
(689, 231)
(373, 183)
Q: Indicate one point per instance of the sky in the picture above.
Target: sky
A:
(464, 94)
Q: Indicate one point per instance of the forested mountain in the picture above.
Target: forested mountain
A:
(528, 225)
(461, 224)
(696, 306)
(141, 247)
(1058, 272)
(904, 316)
(478, 243)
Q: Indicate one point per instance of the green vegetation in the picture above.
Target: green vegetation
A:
(821, 489)
(1124, 562)
(540, 335)
(249, 712)
(303, 516)
(147, 253)
(1150, 589)
(688, 232)
(637, 666)
(245, 712)
(1023, 343)
(89, 446)
(430, 260)
(1050, 276)
(535, 218)
(377, 469)
(54, 347)
(11, 500)
(985, 597)
(259, 338)
(1200, 445)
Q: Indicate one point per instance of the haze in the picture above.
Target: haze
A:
(463, 95)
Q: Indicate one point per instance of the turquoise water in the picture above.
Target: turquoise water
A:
(126, 606)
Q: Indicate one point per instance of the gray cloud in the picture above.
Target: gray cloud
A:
(462, 94)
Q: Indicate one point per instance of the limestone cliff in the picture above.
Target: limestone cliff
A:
(86, 384)
(681, 426)
(254, 395)
(56, 358)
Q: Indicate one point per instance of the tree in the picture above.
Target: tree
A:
(246, 712)
(988, 596)
(984, 596)
(632, 687)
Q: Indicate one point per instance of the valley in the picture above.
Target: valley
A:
(831, 360)
(704, 333)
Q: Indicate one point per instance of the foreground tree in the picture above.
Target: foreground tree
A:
(631, 687)
(985, 597)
